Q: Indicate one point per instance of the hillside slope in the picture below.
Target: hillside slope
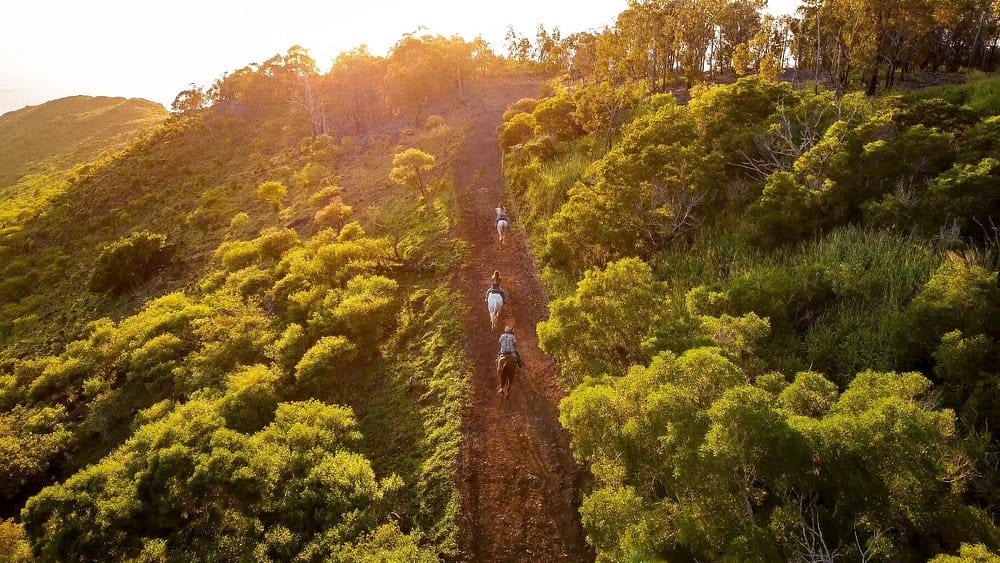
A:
(68, 131)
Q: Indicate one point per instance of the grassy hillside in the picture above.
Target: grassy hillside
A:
(43, 148)
(230, 277)
(69, 131)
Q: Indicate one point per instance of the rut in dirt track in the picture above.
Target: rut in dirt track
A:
(518, 479)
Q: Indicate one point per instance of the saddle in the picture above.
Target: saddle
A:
(516, 357)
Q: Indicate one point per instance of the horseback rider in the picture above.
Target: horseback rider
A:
(495, 287)
(501, 215)
(508, 346)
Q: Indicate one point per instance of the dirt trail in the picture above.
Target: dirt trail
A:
(518, 479)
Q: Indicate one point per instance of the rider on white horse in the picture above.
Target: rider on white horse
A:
(495, 289)
(496, 297)
(502, 223)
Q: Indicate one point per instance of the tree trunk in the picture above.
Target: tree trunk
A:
(872, 86)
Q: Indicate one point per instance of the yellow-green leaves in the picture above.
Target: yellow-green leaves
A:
(410, 168)
(273, 193)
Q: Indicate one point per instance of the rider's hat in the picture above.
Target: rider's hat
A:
(508, 328)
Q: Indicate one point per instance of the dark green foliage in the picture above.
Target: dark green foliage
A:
(764, 406)
(130, 261)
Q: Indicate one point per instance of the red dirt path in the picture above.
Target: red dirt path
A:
(518, 479)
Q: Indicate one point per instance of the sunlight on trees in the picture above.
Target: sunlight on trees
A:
(409, 169)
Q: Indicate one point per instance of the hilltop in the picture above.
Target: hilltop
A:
(69, 131)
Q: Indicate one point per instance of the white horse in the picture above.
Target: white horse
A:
(494, 302)
(502, 223)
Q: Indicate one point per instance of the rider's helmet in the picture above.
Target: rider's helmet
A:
(509, 329)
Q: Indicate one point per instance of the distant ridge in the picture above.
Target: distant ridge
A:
(68, 131)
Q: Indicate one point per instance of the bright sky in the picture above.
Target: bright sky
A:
(150, 49)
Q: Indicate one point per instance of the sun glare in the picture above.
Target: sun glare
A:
(154, 50)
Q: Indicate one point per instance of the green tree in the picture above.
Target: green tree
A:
(611, 310)
(273, 193)
(329, 364)
(409, 167)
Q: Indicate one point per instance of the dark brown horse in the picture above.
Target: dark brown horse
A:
(505, 372)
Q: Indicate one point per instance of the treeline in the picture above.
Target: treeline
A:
(359, 91)
(844, 43)
(773, 309)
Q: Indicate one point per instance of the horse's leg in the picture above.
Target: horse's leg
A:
(500, 367)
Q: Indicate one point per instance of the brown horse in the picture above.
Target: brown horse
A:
(505, 372)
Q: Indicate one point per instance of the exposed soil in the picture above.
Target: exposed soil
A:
(519, 482)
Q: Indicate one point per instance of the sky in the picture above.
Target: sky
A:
(153, 49)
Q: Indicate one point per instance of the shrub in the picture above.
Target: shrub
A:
(333, 215)
(325, 195)
(519, 129)
(14, 542)
(31, 441)
(524, 105)
(555, 116)
(130, 262)
(324, 364)
(239, 221)
(367, 307)
(250, 399)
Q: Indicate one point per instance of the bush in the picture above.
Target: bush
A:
(524, 105)
(239, 221)
(323, 366)
(519, 129)
(555, 116)
(250, 399)
(129, 262)
(14, 542)
(333, 215)
(325, 195)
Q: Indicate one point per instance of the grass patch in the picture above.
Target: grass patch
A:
(981, 93)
